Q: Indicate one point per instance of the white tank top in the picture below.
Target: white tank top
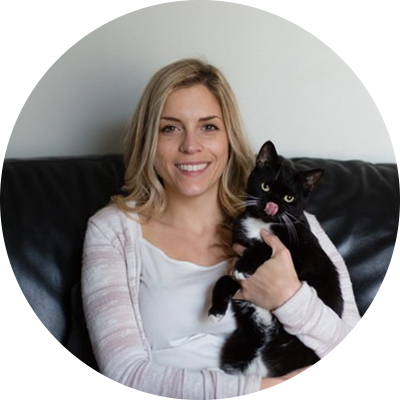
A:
(174, 299)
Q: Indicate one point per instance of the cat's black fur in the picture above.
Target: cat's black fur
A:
(257, 336)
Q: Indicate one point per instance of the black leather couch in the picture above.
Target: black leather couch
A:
(45, 205)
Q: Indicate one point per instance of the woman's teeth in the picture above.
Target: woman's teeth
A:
(192, 167)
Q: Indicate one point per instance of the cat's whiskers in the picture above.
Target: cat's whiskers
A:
(252, 205)
(251, 197)
(290, 227)
(247, 203)
(251, 201)
(293, 218)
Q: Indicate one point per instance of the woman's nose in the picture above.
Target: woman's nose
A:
(190, 143)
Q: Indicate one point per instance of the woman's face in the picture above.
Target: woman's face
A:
(192, 150)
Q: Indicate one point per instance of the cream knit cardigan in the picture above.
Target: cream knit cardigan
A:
(110, 284)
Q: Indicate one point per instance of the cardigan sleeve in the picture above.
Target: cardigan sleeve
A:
(307, 317)
(117, 337)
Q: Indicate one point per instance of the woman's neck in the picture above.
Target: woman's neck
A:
(196, 214)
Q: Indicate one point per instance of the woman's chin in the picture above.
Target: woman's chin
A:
(193, 191)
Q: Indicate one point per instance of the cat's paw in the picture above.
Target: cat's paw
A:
(215, 315)
(240, 276)
(215, 318)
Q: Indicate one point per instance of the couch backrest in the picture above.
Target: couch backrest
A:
(45, 205)
(357, 204)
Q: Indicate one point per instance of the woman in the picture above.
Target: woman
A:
(152, 257)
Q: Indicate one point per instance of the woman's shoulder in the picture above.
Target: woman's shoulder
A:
(113, 219)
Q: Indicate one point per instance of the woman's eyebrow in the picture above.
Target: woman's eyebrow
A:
(209, 118)
(171, 119)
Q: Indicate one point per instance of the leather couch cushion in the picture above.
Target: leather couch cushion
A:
(45, 207)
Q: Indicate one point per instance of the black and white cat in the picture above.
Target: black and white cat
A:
(277, 195)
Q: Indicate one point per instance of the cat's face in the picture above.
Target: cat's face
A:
(277, 191)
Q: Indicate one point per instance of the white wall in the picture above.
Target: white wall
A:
(291, 87)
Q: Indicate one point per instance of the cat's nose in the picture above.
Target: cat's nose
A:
(271, 208)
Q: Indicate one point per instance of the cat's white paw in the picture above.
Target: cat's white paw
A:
(240, 276)
(215, 318)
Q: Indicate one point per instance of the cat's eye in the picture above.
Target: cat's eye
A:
(288, 198)
(265, 187)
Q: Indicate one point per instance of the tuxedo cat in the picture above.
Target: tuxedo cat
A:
(277, 195)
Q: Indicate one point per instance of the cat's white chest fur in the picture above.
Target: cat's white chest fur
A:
(253, 227)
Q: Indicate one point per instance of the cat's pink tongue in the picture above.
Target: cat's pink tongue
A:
(271, 208)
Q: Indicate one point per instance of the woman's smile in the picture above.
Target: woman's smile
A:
(193, 169)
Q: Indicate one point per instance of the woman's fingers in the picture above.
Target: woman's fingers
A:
(272, 241)
(275, 281)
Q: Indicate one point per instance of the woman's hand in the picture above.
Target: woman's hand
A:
(275, 281)
(295, 384)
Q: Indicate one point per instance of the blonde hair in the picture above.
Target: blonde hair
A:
(142, 185)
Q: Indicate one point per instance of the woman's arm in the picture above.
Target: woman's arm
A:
(114, 324)
(296, 304)
(307, 317)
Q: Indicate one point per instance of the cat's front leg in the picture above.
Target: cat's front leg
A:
(223, 291)
(251, 259)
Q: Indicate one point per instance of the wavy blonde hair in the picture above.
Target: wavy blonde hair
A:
(142, 185)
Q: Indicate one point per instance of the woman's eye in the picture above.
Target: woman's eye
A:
(265, 187)
(288, 198)
(169, 129)
(210, 127)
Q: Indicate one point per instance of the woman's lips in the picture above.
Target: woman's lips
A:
(193, 169)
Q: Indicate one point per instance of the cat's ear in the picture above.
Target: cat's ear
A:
(309, 179)
(267, 154)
